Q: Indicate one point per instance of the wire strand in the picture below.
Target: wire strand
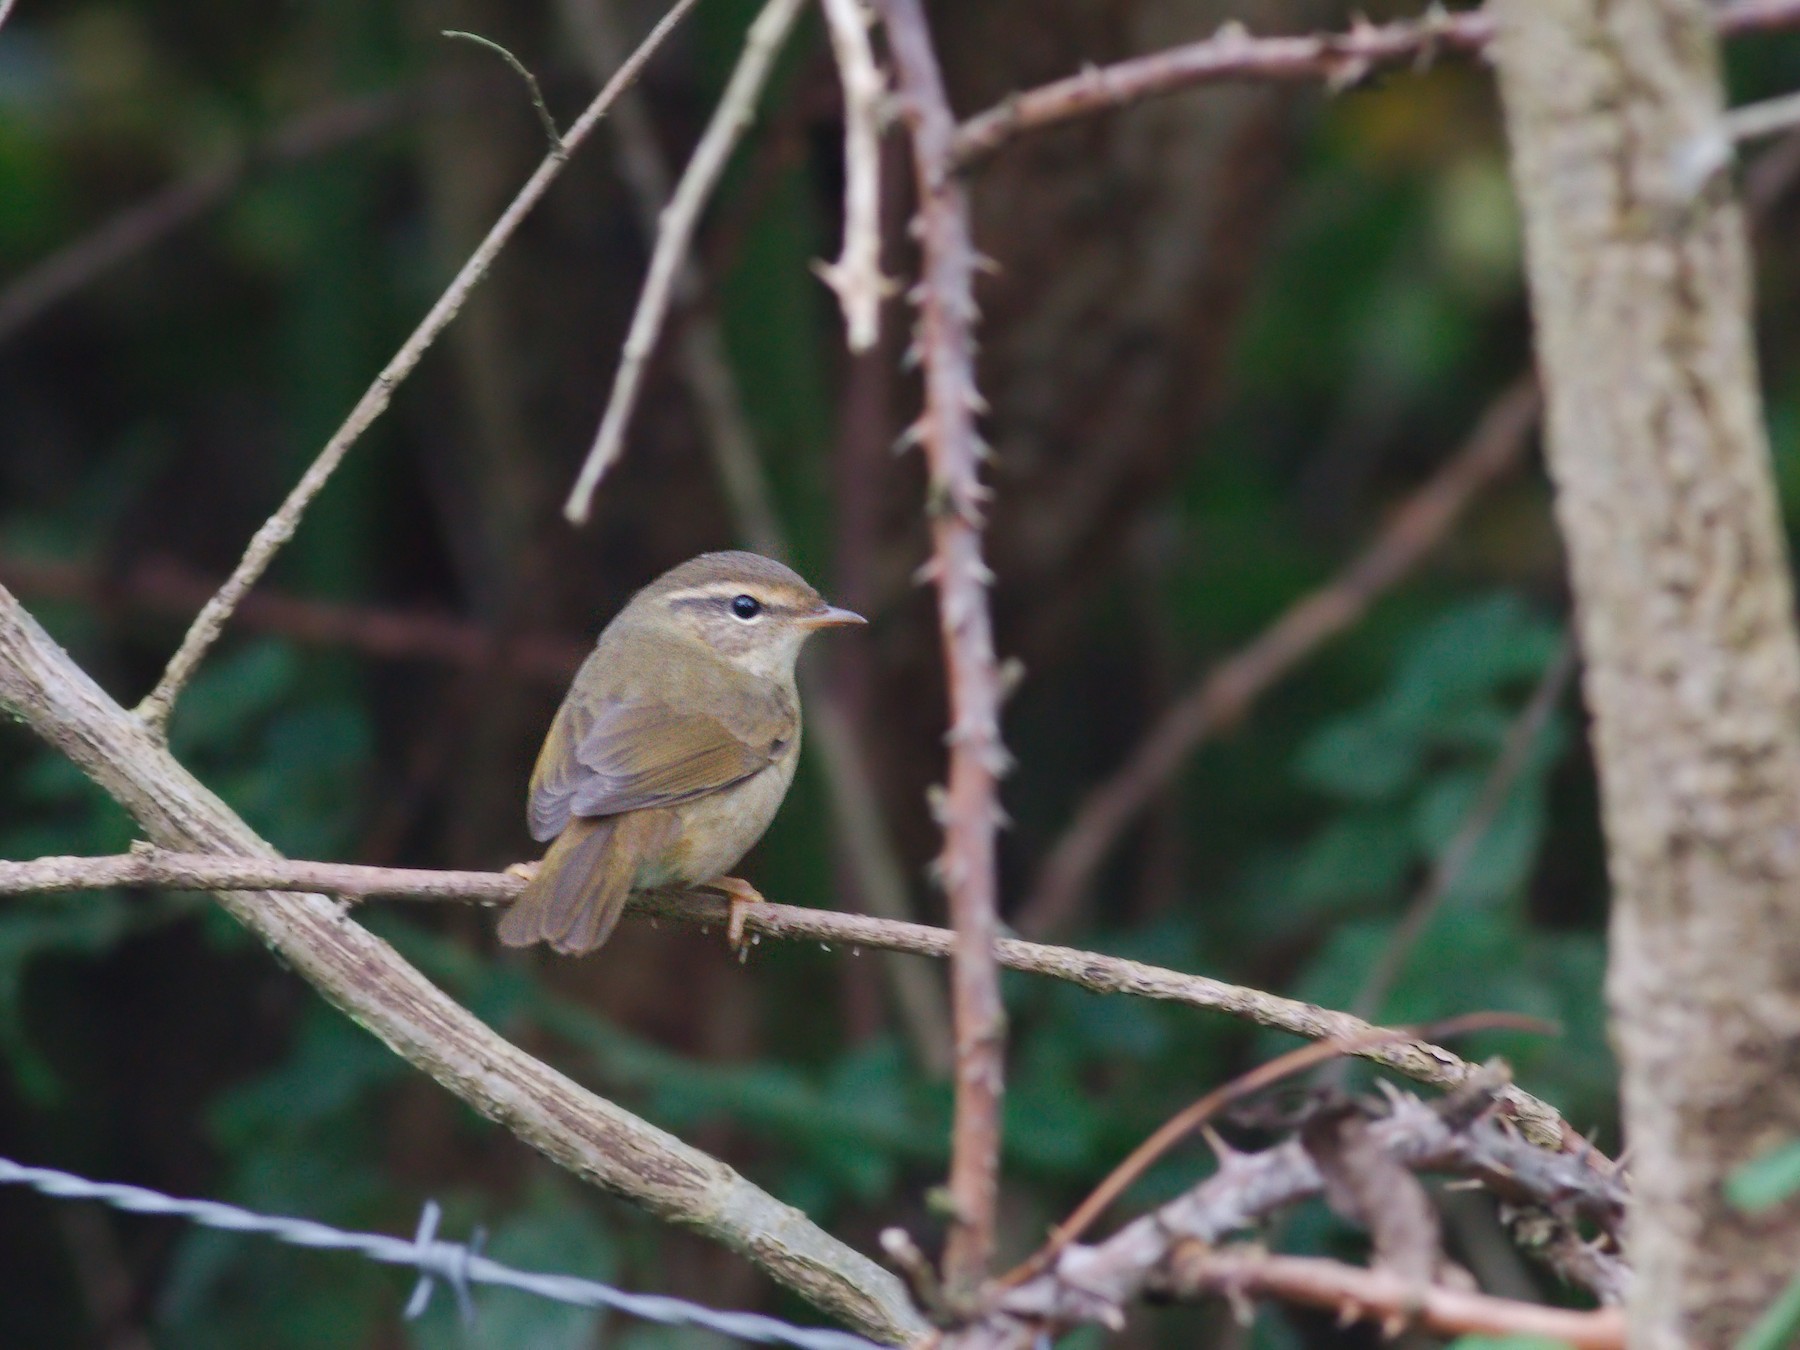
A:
(458, 1265)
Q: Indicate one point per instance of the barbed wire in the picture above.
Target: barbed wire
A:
(458, 1265)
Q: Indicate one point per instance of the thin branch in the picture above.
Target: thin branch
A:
(1515, 754)
(855, 806)
(360, 974)
(970, 807)
(149, 866)
(1358, 1295)
(147, 222)
(1227, 692)
(856, 276)
(1233, 54)
(279, 528)
(6, 9)
(161, 586)
(733, 116)
(532, 89)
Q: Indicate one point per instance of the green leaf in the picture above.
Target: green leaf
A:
(1366, 757)
(1472, 651)
(1500, 863)
(1777, 1328)
(230, 694)
(1507, 1343)
(1762, 1183)
(333, 1066)
(1358, 857)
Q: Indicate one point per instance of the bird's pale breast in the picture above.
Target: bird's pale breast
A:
(718, 828)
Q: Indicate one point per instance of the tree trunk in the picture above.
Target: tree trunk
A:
(1664, 494)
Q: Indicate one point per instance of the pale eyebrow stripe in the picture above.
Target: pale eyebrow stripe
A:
(697, 597)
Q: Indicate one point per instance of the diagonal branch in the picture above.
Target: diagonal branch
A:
(144, 223)
(970, 808)
(363, 976)
(1233, 54)
(733, 116)
(279, 528)
(1227, 691)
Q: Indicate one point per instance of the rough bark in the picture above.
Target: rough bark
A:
(1664, 493)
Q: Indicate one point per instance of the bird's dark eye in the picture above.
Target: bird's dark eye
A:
(746, 607)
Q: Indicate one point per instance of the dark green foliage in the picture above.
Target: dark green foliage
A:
(162, 410)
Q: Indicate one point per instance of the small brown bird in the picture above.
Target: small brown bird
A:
(673, 748)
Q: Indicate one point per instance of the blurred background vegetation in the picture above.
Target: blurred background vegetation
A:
(1227, 333)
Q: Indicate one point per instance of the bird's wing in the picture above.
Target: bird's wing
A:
(606, 756)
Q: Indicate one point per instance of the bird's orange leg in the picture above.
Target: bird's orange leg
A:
(525, 871)
(742, 895)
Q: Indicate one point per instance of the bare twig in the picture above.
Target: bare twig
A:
(6, 9)
(150, 866)
(1515, 754)
(147, 222)
(855, 806)
(1233, 54)
(279, 528)
(856, 276)
(538, 106)
(733, 116)
(970, 807)
(1358, 1295)
(1227, 691)
(161, 586)
(368, 980)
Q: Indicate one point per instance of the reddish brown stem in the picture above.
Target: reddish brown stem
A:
(970, 808)
(1358, 1295)
(163, 587)
(1233, 54)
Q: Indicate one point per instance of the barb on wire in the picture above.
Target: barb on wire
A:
(456, 1264)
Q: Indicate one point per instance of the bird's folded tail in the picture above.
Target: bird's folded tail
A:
(580, 889)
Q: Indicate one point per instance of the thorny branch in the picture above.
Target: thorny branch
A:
(970, 807)
(1340, 59)
(1226, 692)
(730, 120)
(279, 528)
(1455, 1136)
(867, 843)
(148, 865)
